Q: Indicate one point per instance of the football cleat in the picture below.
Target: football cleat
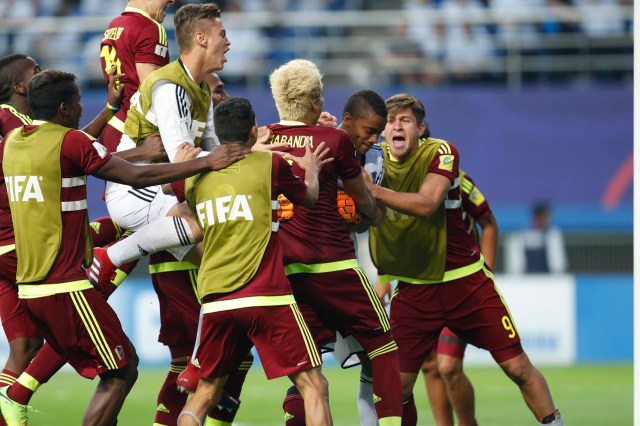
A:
(187, 381)
(102, 272)
(14, 414)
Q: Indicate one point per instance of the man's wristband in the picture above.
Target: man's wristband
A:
(112, 107)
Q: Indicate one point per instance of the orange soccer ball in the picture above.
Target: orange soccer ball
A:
(347, 208)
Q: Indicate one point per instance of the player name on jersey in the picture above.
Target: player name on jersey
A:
(294, 141)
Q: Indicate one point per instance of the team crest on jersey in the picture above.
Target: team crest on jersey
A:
(446, 163)
(119, 352)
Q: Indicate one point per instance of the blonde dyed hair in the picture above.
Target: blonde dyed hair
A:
(294, 86)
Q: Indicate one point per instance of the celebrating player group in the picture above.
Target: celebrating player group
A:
(251, 233)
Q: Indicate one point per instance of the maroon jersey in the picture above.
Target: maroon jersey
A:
(318, 235)
(80, 155)
(9, 119)
(131, 38)
(462, 248)
(474, 204)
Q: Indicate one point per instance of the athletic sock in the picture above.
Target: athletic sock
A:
(104, 231)
(553, 419)
(387, 385)
(44, 365)
(170, 400)
(366, 408)
(161, 234)
(293, 407)
(7, 378)
(409, 412)
(233, 388)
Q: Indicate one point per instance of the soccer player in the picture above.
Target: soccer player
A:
(134, 44)
(246, 297)
(442, 278)
(447, 386)
(69, 313)
(319, 254)
(175, 284)
(16, 71)
(175, 102)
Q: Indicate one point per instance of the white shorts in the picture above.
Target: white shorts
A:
(345, 351)
(133, 208)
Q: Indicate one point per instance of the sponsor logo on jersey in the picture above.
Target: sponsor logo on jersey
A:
(24, 188)
(223, 209)
(446, 163)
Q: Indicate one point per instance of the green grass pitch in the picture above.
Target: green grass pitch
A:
(586, 395)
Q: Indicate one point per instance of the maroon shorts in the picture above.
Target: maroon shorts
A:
(450, 344)
(179, 309)
(323, 335)
(83, 328)
(279, 333)
(471, 307)
(15, 319)
(345, 301)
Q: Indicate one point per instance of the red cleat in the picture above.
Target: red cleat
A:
(102, 272)
(187, 381)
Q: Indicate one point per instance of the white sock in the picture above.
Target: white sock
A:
(368, 415)
(161, 234)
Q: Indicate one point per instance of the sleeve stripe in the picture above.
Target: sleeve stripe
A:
(183, 110)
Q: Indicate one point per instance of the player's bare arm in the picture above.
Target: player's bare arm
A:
(144, 70)
(151, 149)
(140, 176)
(115, 92)
(312, 163)
(423, 203)
(488, 238)
(364, 199)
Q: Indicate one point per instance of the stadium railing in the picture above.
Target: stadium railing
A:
(376, 47)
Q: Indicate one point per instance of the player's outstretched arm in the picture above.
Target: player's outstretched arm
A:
(115, 92)
(151, 149)
(423, 203)
(140, 176)
(312, 163)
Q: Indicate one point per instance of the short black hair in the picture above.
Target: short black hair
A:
(10, 72)
(361, 102)
(233, 120)
(47, 90)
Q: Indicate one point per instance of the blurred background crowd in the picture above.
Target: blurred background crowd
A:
(427, 42)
